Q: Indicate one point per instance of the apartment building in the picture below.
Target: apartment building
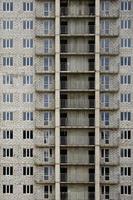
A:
(66, 103)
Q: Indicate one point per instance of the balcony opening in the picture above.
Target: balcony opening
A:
(64, 102)
(64, 193)
(63, 174)
(91, 136)
(64, 8)
(64, 27)
(63, 155)
(91, 192)
(91, 8)
(91, 46)
(63, 119)
(91, 27)
(91, 175)
(91, 156)
(91, 118)
(63, 82)
(91, 64)
(64, 46)
(63, 137)
(63, 62)
(91, 81)
(91, 100)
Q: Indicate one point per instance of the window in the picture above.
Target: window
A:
(105, 154)
(105, 6)
(105, 99)
(8, 79)
(126, 189)
(7, 25)
(105, 191)
(125, 79)
(27, 152)
(47, 172)
(48, 26)
(105, 136)
(125, 116)
(48, 43)
(7, 134)
(125, 24)
(47, 154)
(105, 171)
(28, 25)
(7, 43)
(27, 116)
(27, 61)
(27, 134)
(7, 170)
(48, 8)
(125, 5)
(125, 153)
(28, 80)
(104, 63)
(125, 171)
(47, 136)
(105, 81)
(8, 97)
(27, 6)
(47, 63)
(105, 118)
(126, 42)
(47, 191)
(126, 134)
(47, 100)
(27, 171)
(125, 61)
(105, 44)
(27, 43)
(105, 26)
(7, 61)
(7, 6)
(125, 97)
(47, 81)
(8, 116)
(8, 189)
(7, 152)
(27, 189)
(47, 117)
(27, 97)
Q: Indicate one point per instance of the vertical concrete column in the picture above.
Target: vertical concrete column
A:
(57, 99)
(97, 100)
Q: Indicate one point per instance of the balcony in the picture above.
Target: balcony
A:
(110, 161)
(72, 49)
(66, 178)
(40, 105)
(110, 179)
(65, 30)
(112, 196)
(78, 141)
(112, 69)
(77, 104)
(40, 87)
(77, 123)
(112, 142)
(77, 86)
(114, 51)
(87, 68)
(40, 14)
(64, 196)
(112, 87)
(41, 179)
(86, 12)
(112, 32)
(112, 124)
(113, 13)
(113, 104)
(40, 161)
(39, 141)
(80, 160)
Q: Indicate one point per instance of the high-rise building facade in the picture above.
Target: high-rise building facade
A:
(66, 100)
